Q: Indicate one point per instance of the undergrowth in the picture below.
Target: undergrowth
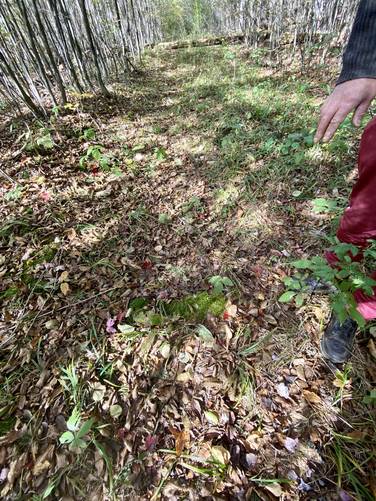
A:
(146, 238)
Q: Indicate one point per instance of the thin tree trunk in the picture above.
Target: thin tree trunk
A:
(57, 75)
(92, 46)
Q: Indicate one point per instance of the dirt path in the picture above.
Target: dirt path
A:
(143, 250)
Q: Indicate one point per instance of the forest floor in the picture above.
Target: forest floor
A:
(144, 243)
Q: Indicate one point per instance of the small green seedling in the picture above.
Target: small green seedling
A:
(95, 153)
(220, 284)
(346, 278)
(371, 398)
(160, 153)
(88, 134)
(14, 194)
(322, 205)
(41, 140)
(164, 218)
(76, 433)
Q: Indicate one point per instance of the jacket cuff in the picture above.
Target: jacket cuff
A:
(347, 75)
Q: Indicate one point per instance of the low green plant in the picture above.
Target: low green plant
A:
(220, 284)
(194, 307)
(323, 205)
(193, 204)
(95, 153)
(346, 277)
(342, 381)
(164, 218)
(40, 140)
(14, 194)
(353, 459)
(71, 383)
(77, 432)
(88, 134)
(296, 141)
(160, 153)
(140, 214)
(370, 399)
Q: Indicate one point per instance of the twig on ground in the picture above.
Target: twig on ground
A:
(4, 174)
(162, 482)
(79, 302)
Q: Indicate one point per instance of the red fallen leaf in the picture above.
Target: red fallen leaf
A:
(226, 315)
(121, 433)
(257, 270)
(201, 217)
(147, 264)
(120, 316)
(30, 465)
(94, 170)
(45, 196)
(150, 442)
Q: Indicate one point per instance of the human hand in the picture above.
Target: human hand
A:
(353, 95)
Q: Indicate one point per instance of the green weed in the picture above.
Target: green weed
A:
(352, 459)
(95, 154)
(40, 140)
(77, 432)
(346, 278)
(220, 284)
(71, 383)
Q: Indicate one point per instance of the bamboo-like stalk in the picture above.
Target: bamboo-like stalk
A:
(51, 46)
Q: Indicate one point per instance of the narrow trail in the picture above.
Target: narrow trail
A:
(108, 303)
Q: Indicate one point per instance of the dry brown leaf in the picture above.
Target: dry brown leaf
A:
(300, 372)
(40, 467)
(64, 287)
(71, 234)
(16, 467)
(311, 397)
(357, 435)
(275, 489)
(232, 310)
(271, 320)
(3, 455)
(182, 440)
(220, 454)
(372, 347)
(12, 436)
(43, 463)
(183, 377)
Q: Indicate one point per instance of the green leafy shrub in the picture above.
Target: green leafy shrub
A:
(346, 277)
(39, 141)
(95, 153)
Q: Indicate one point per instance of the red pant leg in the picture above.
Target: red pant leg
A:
(358, 223)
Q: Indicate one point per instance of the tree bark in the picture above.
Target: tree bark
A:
(92, 46)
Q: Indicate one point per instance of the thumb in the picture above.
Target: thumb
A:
(359, 112)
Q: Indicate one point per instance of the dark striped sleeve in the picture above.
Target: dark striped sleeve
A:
(359, 60)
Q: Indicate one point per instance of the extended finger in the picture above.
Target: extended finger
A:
(360, 112)
(334, 123)
(326, 116)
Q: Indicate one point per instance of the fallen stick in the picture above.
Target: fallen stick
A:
(4, 174)
(204, 42)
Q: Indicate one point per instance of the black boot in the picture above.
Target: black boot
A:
(317, 286)
(338, 339)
